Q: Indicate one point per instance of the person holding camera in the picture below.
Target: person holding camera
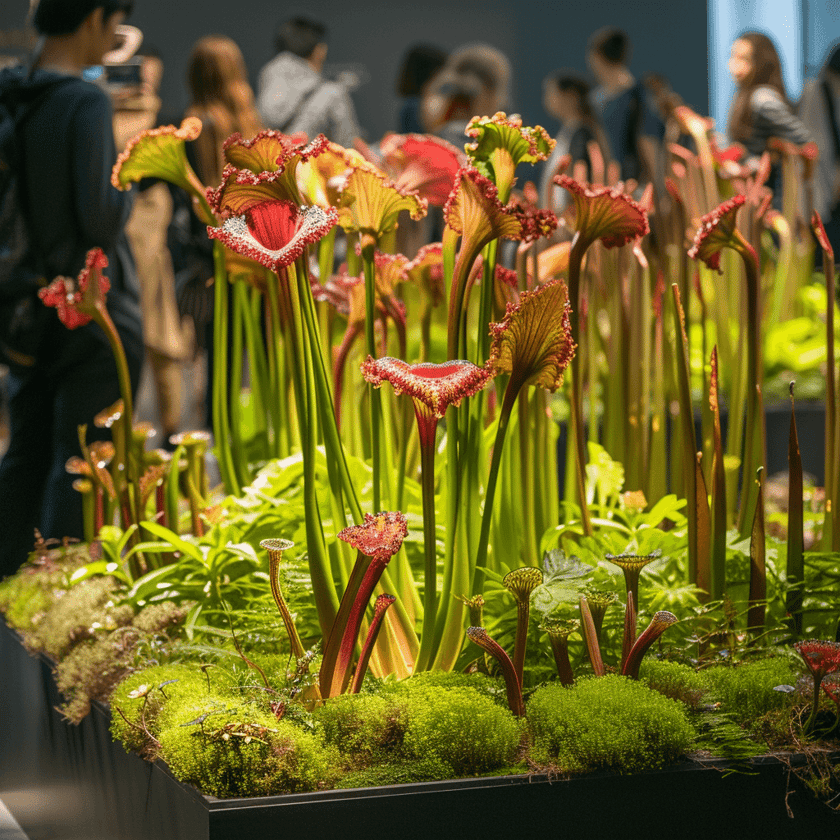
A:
(65, 144)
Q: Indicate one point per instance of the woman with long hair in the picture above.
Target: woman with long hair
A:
(761, 109)
(224, 102)
(222, 99)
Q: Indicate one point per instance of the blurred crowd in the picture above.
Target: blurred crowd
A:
(92, 83)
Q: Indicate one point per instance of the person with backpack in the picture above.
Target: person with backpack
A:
(59, 151)
(293, 97)
(633, 129)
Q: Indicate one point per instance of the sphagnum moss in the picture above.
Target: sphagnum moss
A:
(608, 722)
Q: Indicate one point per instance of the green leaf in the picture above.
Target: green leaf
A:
(186, 548)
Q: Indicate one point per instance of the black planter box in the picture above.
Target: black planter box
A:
(65, 782)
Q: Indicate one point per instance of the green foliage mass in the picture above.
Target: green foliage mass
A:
(746, 691)
(487, 686)
(26, 596)
(164, 684)
(673, 679)
(77, 614)
(428, 769)
(465, 729)
(243, 751)
(93, 668)
(361, 725)
(612, 723)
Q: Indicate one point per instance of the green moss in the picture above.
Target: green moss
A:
(76, 616)
(746, 692)
(361, 725)
(93, 668)
(611, 722)
(246, 752)
(428, 769)
(674, 680)
(491, 687)
(175, 684)
(26, 596)
(465, 729)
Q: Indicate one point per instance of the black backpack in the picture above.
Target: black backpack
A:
(23, 318)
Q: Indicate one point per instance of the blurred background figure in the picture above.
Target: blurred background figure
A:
(475, 81)
(633, 129)
(66, 377)
(222, 99)
(761, 109)
(137, 109)
(293, 96)
(819, 109)
(420, 65)
(566, 97)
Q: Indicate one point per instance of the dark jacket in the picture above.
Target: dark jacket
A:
(67, 144)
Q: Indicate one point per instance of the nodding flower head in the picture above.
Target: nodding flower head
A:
(501, 143)
(380, 536)
(534, 341)
(274, 233)
(474, 211)
(820, 657)
(369, 202)
(261, 169)
(77, 303)
(605, 213)
(432, 388)
(421, 163)
(159, 153)
(717, 231)
(522, 582)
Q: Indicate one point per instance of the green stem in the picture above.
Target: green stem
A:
(221, 423)
(319, 566)
(579, 247)
(324, 398)
(427, 480)
(511, 393)
(374, 396)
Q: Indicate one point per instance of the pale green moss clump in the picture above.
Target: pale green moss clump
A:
(674, 680)
(77, 615)
(137, 702)
(461, 727)
(428, 769)
(93, 667)
(611, 722)
(491, 687)
(27, 596)
(361, 726)
(746, 692)
(242, 751)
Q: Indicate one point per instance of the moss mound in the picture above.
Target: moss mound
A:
(429, 769)
(674, 680)
(77, 614)
(461, 727)
(138, 700)
(246, 752)
(361, 725)
(611, 722)
(491, 687)
(746, 692)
